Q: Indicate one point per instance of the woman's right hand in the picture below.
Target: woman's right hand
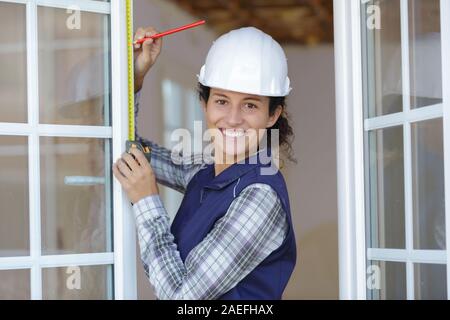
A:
(145, 55)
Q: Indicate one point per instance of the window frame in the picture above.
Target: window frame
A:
(350, 130)
(123, 256)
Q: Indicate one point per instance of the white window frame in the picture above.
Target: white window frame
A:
(123, 258)
(350, 127)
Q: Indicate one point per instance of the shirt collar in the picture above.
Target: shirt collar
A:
(260, 158)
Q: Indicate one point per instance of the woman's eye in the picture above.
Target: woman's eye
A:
(221, 102)
(250, 106)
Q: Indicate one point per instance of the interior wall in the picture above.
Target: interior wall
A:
(311, 182)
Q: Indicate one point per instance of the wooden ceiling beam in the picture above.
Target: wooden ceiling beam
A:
(241, 13)
(288, 21)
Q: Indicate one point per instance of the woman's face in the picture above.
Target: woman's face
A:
(237, 122)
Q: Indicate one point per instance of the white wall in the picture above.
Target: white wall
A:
(311, 183)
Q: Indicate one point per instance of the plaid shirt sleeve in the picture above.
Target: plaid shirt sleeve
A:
(254, 225)
(171, 169)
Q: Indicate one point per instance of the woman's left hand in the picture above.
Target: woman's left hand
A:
(136, 175)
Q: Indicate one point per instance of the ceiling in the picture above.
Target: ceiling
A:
(305, 22)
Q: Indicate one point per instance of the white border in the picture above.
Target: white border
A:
(398, 119)
(33, 149)
(348, 52)
(445, 43)
(124, 225)
(411, 256)
(407, 153)
(349, 145)
(51, 130)
(124, 256)
(84, 5)
(358, 147)
(55, 261)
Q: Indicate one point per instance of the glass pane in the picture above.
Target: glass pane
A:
(14, 204)
(428, 184)
(173, 105)
(74, 67)
(430, 281)
(425, 53)
(382, 58)
(75, 195)
(13, 63)
(15, 285)
(386, 280)
(385, 189)
(194, 116)
(81, 283)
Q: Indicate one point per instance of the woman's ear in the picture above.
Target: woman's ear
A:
(274, 118)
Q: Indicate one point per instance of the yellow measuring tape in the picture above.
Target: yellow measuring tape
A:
(131, 143)
(131, 124)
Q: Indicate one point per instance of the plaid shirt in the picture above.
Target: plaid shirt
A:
(254, 225)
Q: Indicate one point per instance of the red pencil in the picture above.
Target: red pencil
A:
(165, 33)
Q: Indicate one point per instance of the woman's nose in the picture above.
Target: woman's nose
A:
(235, 117)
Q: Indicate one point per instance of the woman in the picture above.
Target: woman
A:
(232, 237)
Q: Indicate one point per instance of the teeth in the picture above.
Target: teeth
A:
(233, 133)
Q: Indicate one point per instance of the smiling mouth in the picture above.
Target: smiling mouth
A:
(233, 133)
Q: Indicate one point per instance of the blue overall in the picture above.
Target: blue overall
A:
(208, 198)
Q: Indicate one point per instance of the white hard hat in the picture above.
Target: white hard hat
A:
(247, 60)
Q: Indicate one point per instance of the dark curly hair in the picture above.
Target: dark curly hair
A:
(286, 134)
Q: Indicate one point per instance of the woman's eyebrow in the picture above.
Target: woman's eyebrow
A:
(220, 95)
(246, 98)
(253, 98)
